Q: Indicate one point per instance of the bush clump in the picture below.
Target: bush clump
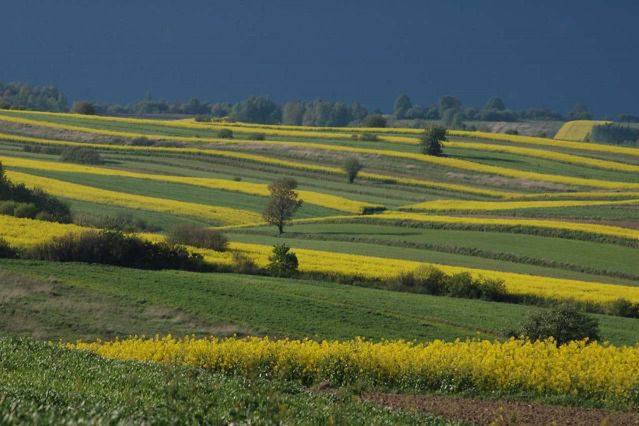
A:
(225, 134)
(141, 141)
(198, 236)
(121, 222)
(116, 248)
(283, 262)
(6, 251)
(81, 155)
(42, 149)
(257, 136)
(564, 323)
(431, 280)
(20, 201)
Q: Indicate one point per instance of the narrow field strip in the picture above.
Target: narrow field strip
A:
(584, 195)
(597, 371)
(27, 232)
(262, 159)
(498, 223)
(324, 200)
(577, 130)
(223, 215)
(452, 205)
(548, 155)
(440, 161)
(533, 140)
(345, 133)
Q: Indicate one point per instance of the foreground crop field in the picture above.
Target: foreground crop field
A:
(550, 221)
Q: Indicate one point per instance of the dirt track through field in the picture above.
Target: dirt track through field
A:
(488, 412)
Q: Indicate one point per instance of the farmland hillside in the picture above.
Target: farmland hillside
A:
(417, 272)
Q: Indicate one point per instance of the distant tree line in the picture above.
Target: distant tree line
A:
(450, 110)
(24, 96)
(615, 134)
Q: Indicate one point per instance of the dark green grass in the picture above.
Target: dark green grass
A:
(585, 253)
(296, 308)
(41, 384)
(607, 213)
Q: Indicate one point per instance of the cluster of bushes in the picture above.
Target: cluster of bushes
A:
(198, 236)
(141, 141)
(225, 134)
(615, 134)
(430, 280)
(81, 155)
(120, 222)
(564, 323)
(116, 248)
(18, 200)
(43, 149)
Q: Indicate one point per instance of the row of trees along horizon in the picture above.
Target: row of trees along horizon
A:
(450, 110)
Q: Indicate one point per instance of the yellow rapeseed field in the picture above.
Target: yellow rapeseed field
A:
(596, 371)
(311, 197)
(549, 155)
(262, 159)
(27, 232)
(577, 130)
(385, 268)
(534, 140)
(223, 215)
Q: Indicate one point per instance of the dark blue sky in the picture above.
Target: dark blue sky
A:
(531, 53)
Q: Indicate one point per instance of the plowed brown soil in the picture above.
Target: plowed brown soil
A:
(488, 412)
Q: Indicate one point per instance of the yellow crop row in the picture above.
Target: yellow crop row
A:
(74, 191)
(292, 131)
(440, 161)
(577, 130)
(325, 200)
(548, 155)
(383, 268)
(534, 140)
(511, 205)
(24, 233)
(271, 161)
(27, 232)
(598, 371)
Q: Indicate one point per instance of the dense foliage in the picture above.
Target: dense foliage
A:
(24, 96)
(198, 236)
(615, 134)
(20, 201)
(115, 248)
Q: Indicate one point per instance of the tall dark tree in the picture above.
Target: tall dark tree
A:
(495, 104)
(257, 110)
(432, 140)
(282, 204)
(580, 112)
(401, 107)
(449, 103)
(352, 167)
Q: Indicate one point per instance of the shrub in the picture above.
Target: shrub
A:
(425, 279)
(141, 141)
(564, 323)
(6, 251)
(81, 155)
(624, 308)
(116, 248)
(512, 132)
(283, 262)
(463, 285)
(257, 136)
(83, 107)
(202, 118)
(242, 264)
(121, 222)
(432, 140)
(352, 167)
(375, 120)
(225, 134)
(198, 236)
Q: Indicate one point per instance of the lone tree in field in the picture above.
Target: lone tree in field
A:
(352, 166)
(282, 204)
(432, 140)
